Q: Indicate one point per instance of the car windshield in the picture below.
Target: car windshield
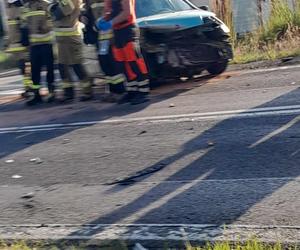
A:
(155, 7)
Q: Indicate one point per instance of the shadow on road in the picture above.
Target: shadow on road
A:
(245, 151)
(16, 114)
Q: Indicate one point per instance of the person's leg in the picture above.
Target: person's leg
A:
(67, 84)
(85, 84)
(137, 65)
(114, 78)
(122, 66)
(63, 60)
(36, 66)
(127, 53)
(26, 76)
(49, 63)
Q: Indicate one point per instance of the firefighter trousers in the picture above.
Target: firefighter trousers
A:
(129, 59)
(114, 79)
(42, 55)
(80, 72)
(25, 69)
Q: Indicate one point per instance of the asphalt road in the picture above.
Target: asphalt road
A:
(217, 151)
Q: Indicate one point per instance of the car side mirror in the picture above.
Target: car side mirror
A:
(204, 7)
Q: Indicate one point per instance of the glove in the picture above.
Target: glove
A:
(24, 36)
(52, 7)
(103, 25)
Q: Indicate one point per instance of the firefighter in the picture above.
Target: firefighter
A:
(92, 11)
(17, 42)
(65, 15)
(120, 15)
(37, 20)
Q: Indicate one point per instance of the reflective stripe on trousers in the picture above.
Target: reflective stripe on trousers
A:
(27, 82)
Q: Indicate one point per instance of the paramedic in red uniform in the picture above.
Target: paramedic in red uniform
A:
(120, 15)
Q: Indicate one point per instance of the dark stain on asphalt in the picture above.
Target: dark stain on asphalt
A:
(130, 179)
(143, 132)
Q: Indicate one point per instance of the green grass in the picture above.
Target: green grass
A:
(249, 245)
(278, 38)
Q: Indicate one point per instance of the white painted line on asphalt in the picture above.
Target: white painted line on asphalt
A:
(262, 179)
(150, 232)
(66, 225)
(232, 114)
(5, 73)
(11, 92)
(270, 69)
(276, 132)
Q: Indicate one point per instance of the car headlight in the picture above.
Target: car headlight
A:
(225, 28)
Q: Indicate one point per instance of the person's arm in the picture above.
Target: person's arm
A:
(125, 13)
(61, 8)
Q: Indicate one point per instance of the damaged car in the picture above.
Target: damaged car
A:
(179, 39)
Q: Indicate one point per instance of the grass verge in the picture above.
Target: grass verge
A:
(118, 245)
(278, 38)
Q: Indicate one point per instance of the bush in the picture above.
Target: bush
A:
(281, 20)
(279, 37)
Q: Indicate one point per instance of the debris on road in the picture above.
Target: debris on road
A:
(287, 59)
(130, 179)
(28, 196)
(10, 161)
(16, 176)
(143, 132)
(103, 156)
(36, 160)
(28, 206)
(172, 105)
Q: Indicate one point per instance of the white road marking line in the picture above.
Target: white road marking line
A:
(150, 232)
(262, 179)
(232, 114)
(276, 132)
(165, 199)
(296, 152)
(270, 69)
(6, 73)
(11, 92)
(37, 225)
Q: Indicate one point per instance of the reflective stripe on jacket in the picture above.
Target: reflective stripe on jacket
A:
(38, 21)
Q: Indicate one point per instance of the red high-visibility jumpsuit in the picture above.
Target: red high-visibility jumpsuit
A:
(126, 48)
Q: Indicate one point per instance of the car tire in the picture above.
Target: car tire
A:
(217, 68)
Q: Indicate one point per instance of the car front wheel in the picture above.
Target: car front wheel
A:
(217, 68)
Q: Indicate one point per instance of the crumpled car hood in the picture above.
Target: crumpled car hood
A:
(174, 21)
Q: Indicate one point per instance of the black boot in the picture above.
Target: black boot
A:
(128, 97)
(51, 97)
(68, 95)
(36, 99)
(139, 98)
(26, 94)
(86, 97)
(87, 92)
